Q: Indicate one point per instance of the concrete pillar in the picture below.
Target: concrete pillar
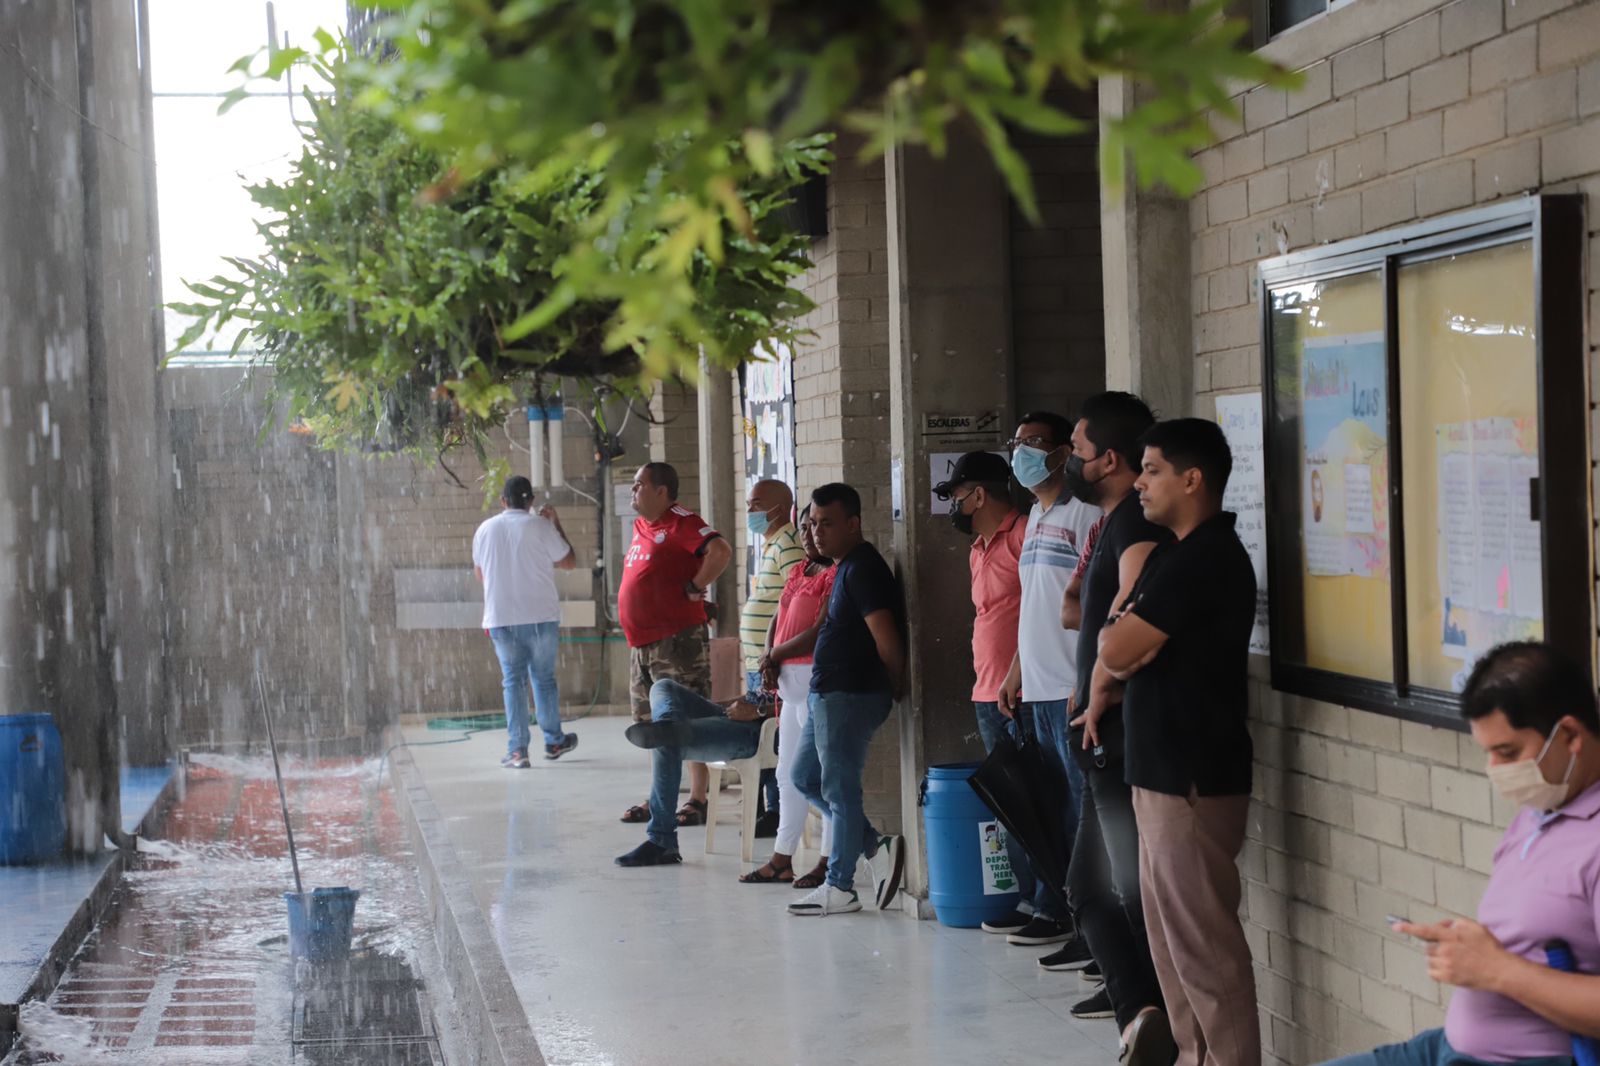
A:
(1144, 238)
(950, 355)
(721, 500)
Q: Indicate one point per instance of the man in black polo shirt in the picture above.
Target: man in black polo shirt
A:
(1181, 641)
(1103, 879)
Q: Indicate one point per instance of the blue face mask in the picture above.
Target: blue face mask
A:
(757, 523)
(1029, 466)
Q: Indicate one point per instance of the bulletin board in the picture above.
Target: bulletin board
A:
(768, 426)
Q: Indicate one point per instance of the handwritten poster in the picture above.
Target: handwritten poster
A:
(1490, 558)
(1345, 465)
(1240, 418)
(768, 403)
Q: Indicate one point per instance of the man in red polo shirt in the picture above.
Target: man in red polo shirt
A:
(674, 557)
(981, 508)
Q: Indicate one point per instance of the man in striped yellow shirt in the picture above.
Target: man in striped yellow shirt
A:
(768, 508)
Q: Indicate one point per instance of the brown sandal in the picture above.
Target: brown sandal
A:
(814, 879)
(638, 813)
(774, 874)
(692, 813)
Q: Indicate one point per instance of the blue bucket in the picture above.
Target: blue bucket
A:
(33, 789)
(320, 923)
(970, 879)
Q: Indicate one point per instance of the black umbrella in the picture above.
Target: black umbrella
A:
(1014, 783)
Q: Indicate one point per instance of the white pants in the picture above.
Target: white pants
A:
(794, 688)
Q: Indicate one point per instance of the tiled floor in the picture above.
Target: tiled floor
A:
(37, 902)
(657, 967)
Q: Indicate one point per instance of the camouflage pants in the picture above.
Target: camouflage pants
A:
(684, 657)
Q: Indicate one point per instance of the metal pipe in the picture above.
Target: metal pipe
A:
(283, 800)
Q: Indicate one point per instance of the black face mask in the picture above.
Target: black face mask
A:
(1080, 487)
(962, 522)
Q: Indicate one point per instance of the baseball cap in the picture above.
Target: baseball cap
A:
(974, 466)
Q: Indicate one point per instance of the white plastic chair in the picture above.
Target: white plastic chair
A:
(749, 771)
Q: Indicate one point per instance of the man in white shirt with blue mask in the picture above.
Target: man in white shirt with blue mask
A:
(1042, 678)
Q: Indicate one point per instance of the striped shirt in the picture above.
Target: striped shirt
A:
(1050, 552)
(781, 554)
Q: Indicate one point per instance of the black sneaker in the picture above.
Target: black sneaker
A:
(1041, 931)
(650, 854)
(517, 760)
(1074, 955)
(667, 733)
(1008, 924)
(1096, 1006)
(888, 865)
(555, 751)
(767, 825)
(1092, 974)
(1150, 1041)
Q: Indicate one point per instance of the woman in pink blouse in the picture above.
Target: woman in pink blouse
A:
(787, 668)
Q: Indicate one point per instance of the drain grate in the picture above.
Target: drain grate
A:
(371, 1011)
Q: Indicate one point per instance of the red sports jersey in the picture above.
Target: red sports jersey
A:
(663, 556)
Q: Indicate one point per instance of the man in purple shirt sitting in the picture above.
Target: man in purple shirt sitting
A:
(1533, 711)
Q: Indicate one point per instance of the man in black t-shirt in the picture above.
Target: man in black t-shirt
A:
(1103, 878)
(1181, 641)
(857, 670)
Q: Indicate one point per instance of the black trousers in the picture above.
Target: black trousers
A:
(1103, 890)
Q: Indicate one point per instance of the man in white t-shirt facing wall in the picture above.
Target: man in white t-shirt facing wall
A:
(515, 555)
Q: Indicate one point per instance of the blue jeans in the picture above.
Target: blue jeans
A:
(1429, 1048)
(528, 652)
(714, 737)
(1055, 744)
(828, 768)
(992, 725)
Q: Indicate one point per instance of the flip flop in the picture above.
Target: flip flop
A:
(756, 877)
(692, 812)
(637, 814)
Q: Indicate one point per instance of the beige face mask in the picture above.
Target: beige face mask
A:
(1523, 783)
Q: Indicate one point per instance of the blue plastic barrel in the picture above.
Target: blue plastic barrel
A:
(33, 789)
(969, 874)
(320, 923)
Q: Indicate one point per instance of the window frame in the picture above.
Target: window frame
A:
(1261, 20)
(1555, 225)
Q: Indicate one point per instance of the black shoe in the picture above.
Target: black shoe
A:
(650, 854)
(767, 825)
(555, 751)
(1074, 955)
(667, 733)
(1008, 924)
(1096, 1006)
(517, 760)
(1041, 931)
(1092, 974)
(1150, 1041)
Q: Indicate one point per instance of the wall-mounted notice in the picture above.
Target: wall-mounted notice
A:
(1345, 465)
(1240, 418)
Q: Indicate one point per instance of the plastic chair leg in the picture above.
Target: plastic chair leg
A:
(749, 793)
(713, 793)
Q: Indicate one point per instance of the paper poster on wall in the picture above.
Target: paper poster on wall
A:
(1240, 418)
(768, 402)
(1490, 552)
(1345, 465)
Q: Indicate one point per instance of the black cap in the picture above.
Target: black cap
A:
(518, 491)
(974, 466)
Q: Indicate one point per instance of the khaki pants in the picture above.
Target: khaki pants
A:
(1190, 885)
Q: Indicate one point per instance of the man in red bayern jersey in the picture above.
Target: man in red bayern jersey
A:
(674, 557)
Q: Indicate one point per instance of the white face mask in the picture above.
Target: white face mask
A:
(1523, 782)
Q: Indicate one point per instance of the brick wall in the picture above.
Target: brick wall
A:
(1360, 815)
(258, 569)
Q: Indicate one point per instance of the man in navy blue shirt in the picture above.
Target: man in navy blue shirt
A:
(858, 670)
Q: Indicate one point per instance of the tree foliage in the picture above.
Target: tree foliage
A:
(398, 316)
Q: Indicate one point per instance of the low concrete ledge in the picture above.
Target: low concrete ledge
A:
(498, 1032)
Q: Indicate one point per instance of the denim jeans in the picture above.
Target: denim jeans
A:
(1430, 1048)
(828, 767)
(769, 777)
(1049, 721)
(1103, 889)
(528, 653)
(714, 736)
(992, 725)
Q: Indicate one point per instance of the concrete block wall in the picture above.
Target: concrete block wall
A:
(1404, 115)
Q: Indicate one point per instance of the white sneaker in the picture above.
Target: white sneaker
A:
(824, 900)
